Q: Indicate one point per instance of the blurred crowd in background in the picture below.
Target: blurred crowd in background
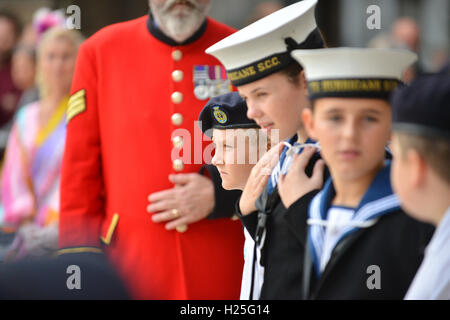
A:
(37, 64)
(37, 60)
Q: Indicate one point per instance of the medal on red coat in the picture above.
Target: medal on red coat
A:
(210, 81)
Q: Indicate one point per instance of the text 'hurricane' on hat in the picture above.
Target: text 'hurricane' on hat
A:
(353, 72)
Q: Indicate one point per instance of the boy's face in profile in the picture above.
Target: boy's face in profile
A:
(352, 133)
(408, 178)
(235, 155)
(274, 102)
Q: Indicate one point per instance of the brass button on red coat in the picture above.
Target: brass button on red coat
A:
(177, 75)
(177, 55)
(181, 229)
(178, 165)
(178, 142)
(177, 119)
(177, 97)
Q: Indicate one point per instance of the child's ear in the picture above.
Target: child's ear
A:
(418, 166)
(308, 122)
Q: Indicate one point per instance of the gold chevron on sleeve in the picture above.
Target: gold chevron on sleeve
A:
(77, 104)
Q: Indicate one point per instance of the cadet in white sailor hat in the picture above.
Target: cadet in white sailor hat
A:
(264, 47)
(258, 62)
(360, 243)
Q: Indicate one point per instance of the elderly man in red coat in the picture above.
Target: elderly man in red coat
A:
(130, 185)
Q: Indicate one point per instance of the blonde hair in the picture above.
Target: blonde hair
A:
(73, 36)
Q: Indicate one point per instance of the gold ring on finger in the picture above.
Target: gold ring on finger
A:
(175, 213)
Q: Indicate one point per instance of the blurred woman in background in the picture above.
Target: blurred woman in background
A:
(23, 72)
(31, 172)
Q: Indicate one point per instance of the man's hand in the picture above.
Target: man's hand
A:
(34, 241)
(190, 200)
(258, 179)
(295, 184)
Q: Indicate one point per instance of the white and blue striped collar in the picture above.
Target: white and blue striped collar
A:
(377, 201)
(291, 148)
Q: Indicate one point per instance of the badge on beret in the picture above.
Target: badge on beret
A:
(220, 116)
(210, 81)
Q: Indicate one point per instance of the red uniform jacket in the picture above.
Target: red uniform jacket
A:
(118, 151)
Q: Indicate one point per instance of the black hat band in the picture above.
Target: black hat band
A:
(271, 64)
(259, 69)
(420, 130)
(378, 88)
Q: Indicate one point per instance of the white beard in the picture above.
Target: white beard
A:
(179, 24)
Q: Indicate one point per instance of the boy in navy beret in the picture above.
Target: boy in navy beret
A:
(421, 174)
(239, 143)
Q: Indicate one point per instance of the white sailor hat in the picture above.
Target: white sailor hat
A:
(263, 47)
(353, 72)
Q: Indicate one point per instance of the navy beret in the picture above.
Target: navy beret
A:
(423, 107)
(227, 111)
